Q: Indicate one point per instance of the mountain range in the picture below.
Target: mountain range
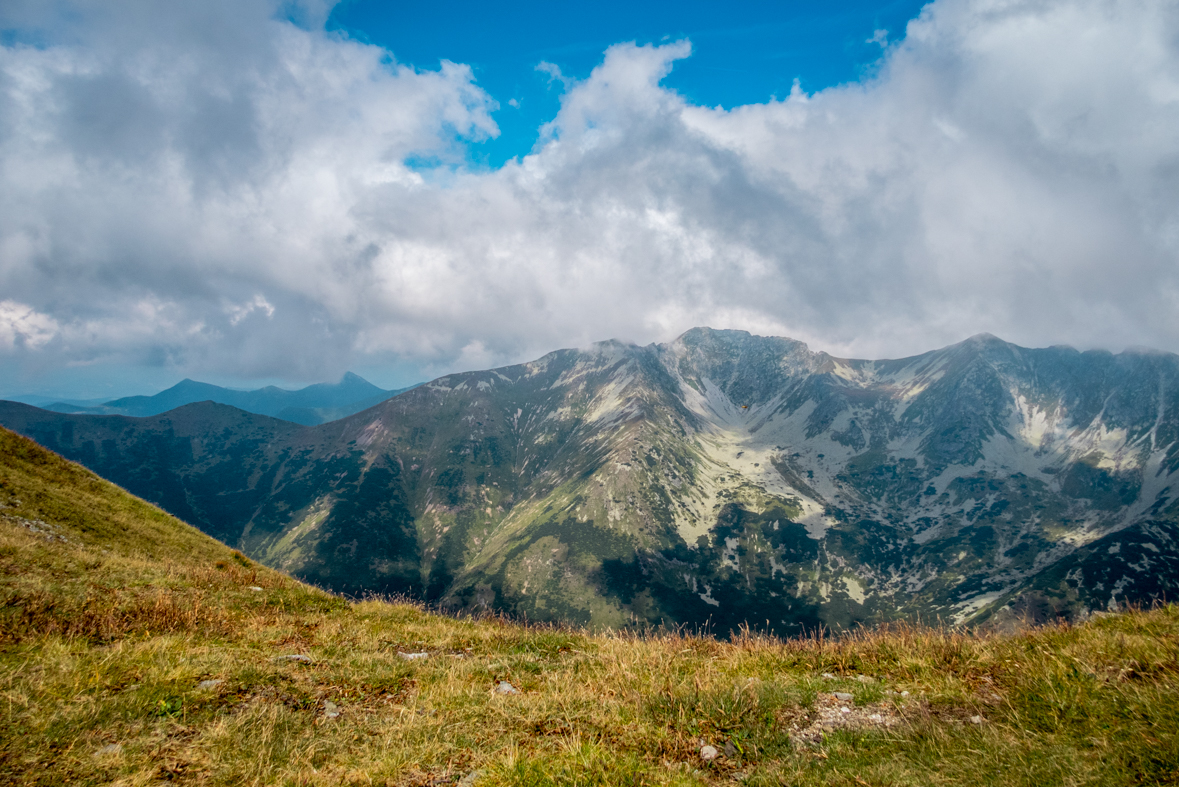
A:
(716, 480)
(315, 404)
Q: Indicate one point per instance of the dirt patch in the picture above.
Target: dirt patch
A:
(831, 713)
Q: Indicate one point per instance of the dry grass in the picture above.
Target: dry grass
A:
(105, 638)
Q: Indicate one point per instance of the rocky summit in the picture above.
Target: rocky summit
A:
(718, 480)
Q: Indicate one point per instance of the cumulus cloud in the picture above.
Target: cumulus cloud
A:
(22, 326)
(221, 189)
(240, 311)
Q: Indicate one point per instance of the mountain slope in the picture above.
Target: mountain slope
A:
(82, 558)
(720, 479)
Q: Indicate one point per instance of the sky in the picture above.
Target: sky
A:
(743, 52)
(252, 192)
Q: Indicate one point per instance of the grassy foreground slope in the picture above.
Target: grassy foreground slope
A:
(135, 650)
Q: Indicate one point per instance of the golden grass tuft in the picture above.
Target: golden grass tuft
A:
(115, 618)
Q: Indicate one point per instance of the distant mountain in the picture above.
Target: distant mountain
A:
(314, 404)
(47, 401)
(719, 479)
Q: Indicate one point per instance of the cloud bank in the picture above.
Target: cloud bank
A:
(215, 188)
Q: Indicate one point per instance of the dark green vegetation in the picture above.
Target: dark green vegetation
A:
(718, 480)
(315, 404)
(135, 650)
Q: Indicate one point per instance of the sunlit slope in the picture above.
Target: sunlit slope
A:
(83, 557)
(719, 479)
(135, 650)
(65, 503)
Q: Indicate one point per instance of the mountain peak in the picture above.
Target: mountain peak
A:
(187, 382)
(611, 345)
(987, 345)
(703, 333)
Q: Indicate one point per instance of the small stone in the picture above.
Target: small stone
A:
(708, 753)
(730, 749)
(842, 696)
(845, 709)
(254, 588)
(904, 694)
(506, 688)
(829, 676)
(299, 657)
(470, 779)
(865, 679)
(330, 709)
(976, 719)
(413, 656)
(110, 750)
(205, 685)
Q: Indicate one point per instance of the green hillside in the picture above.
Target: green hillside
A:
(134, 650)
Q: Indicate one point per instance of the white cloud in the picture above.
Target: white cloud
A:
(1012, 167)
(22, 326)
(240, 311)
(554, 72)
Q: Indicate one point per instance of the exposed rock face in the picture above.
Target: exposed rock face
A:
(721, 478)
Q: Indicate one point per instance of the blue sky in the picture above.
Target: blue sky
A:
(742, 52)
(278, 191)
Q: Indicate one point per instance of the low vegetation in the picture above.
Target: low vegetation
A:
(134, 650)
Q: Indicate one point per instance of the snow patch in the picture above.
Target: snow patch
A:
(972, 605)
(855, 591)
(814, 520)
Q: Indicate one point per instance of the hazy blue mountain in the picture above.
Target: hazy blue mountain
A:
(54, 402)
(314, 404)
(717, 479)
